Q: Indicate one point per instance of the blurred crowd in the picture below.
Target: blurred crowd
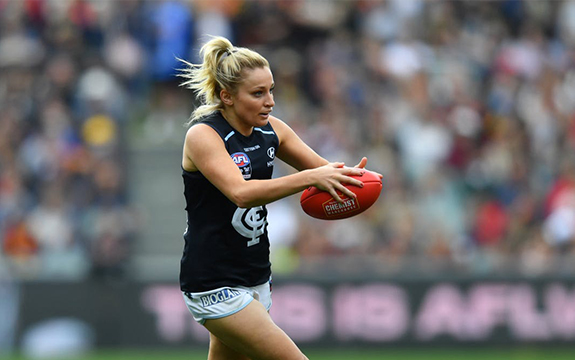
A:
(467, 108)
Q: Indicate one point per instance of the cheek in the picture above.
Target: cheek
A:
(250, 105)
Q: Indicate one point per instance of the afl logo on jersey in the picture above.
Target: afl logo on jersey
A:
(243, 162)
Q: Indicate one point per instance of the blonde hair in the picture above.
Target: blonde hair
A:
(221, 69)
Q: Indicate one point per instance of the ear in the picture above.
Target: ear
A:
(226, 97)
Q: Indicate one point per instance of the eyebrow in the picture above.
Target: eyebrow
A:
(263, 86)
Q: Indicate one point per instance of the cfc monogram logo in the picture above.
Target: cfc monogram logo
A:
(250, 223)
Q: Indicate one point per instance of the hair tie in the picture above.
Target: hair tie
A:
(227, 53)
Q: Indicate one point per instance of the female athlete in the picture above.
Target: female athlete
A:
(228, 158)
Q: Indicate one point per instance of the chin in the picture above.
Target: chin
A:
(262, 122)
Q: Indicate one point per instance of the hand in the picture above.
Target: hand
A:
(333, 176)
(362, 164)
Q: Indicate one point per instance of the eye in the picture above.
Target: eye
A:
(258, 93)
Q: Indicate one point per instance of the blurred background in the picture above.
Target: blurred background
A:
(467, 108)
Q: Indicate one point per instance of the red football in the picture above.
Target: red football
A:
(321, 205)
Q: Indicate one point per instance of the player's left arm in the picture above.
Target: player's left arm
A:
(295, 152)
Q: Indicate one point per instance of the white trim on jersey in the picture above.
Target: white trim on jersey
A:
(265, 132)
(228, 136)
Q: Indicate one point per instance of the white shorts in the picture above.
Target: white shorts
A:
(225, 301)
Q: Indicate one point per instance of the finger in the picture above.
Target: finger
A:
(337, 164)
(356, 182)
(354, 171)
(362, 163)
(348, 179)
(335, 195)
(338, 190)
(347, 192)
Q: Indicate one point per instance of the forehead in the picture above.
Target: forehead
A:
(257, 77)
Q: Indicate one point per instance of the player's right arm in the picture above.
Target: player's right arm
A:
(204, 151)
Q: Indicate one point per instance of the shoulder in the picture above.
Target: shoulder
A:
(200, 132)
(280, 127)
(209, 124)
(276, 123)
(201, 141)
(283, 131)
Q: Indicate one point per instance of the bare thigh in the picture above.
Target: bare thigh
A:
(251, 332)
(220, 351)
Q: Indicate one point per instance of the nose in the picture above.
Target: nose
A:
(269, 101)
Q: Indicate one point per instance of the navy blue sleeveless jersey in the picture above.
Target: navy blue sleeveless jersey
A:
(226, 245)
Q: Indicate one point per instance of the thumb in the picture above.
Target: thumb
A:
(362, 163)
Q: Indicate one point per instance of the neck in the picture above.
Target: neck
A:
(233, 120)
